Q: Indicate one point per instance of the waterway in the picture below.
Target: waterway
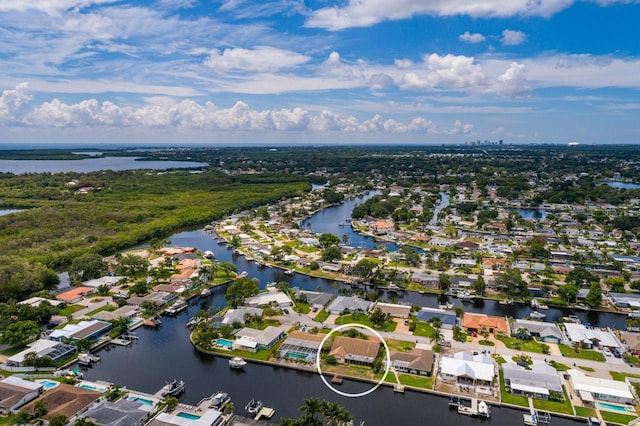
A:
(86, 165)
(443, 204)
(623, 185)
(164, 354)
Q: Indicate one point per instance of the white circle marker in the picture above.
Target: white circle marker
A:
(386, 370)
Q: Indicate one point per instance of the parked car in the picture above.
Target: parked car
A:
(286, 311)
(445, 344)
(606, 351)
(617, 353)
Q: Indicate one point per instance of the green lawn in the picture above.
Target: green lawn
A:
(555, 406)
(322, 316)
(104, 308)
(416, 381)
(303, 308)
(621, 376)
(585, 412)
(400, 345)
(70, 310)
(559, 366)
(364, 320)
(585, 368)
(618, 418)
(486, 342)
(423, 330)
(570, 352)
(523, 345)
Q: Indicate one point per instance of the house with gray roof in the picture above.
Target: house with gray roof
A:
(123, 412)
(314, 298)
(536, 383)
(543, 331)
(15, 392)
(238, 315)
(448, 319)
(344, 304)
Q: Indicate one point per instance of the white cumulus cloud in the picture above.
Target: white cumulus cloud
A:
(471, 38)
(260, 59)
(512, 38)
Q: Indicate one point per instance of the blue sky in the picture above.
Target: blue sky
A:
(351, 71)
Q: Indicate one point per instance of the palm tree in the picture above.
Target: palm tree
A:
(40, 408)
(437, 336)
(311, 408)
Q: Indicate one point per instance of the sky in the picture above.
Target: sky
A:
(319, 71)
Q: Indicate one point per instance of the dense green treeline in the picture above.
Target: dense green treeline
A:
(117, 210)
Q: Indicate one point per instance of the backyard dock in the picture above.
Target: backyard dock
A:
(265, 413)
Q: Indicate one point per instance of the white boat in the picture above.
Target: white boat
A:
(87, 359)
(253, 406)
(534, 303)
(177, 307)
(205, 292)
(219, 400)
(172, 389)
(289, 271)
(537, 315)
(571, 318)
(543, 307)
(446, 306)
(237, 362)
(271, 284)
(209, 254)
(243, 274)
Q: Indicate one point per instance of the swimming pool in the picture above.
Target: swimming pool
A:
(48, 384)
(226, 343)
(187, 416)
(615, 407)
(87, 387)
(297, 355)
(141, 400)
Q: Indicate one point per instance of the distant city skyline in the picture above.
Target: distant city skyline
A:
(233, 72)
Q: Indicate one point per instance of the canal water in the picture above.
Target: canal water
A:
(165, 354)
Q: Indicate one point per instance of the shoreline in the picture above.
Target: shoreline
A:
(441, 394)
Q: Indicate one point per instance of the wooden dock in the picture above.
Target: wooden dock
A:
(265, 413)
(121, 342)
(398, 388)
(337, 380)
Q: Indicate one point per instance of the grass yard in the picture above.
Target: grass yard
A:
(570, 352)
(400, 345)
(416, 381)
(559, 366)
(423, 330)
(364, 320)
(70, 310)
(103, 308)
(585, 411)
(585, 368)
(618, 418)
(322, 316)
(621, 376)
(523, 345)
(303, 308)
(555, 406)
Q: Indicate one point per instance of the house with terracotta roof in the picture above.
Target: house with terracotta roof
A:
(381, 227)
(354, 351)
(481, 323)
(75, 295)
(495, 263)
(65, 399)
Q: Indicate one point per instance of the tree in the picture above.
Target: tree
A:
(170, 402)
(138, 288)
(568, 292)
(240, 289)
(615, 284)
(22, 418)
(311, 409)
(537, 247)
(378, 318)
(444, 282)
(103, 290)
(364, 268)
(20, 332)
(58, 420)
(228, 268)
(85, 267)
(20, 277)
(581, 277)
(149, 307)
(120, 325)
(479, 286)
(328, 239)
(594, 297)
(40, 408)
(131, 265)
(331, 253)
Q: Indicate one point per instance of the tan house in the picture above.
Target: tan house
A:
(354, 351)
(418, 361)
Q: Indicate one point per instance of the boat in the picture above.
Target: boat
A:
(152, 322)
(253, 406)
(237, 362)
(466, 298)
(534, 303)
(174, 388)
(195, 321)
(237, 252)
(594, 421)
(243, 274)
(478, 408)
(581, 307)
(289, 271)
(205, 292)
(446, 306)
(219, 400)
(177, 307)
(271, 284)
(506, 302)
(221, 242)
(543, 306)
(537, 418)
(209, 254)
(571, 318)
(537, 315)
(87, 359)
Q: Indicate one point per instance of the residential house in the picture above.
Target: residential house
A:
(42, 348)
(272, 298)
(75, 295)
(64, 399)
(632, 342)
(394, 310)
(344, 304)
(537, 382)
(301, 346)
(354, 351)
(15, 392)
(481, 323)
(315, 299)
(239, 315)
(109, 281)
(121, 412)
(209, 417)
(588, 337)
(125, 311)
(448, 319)
(381, 227)
(546, 332)
(418, 361)
(465, 369)
(427, 280)
(83, 330)
(590, 389)
(252, 340)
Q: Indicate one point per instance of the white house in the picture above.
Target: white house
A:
(464, 368)
(274, 298)
(15, 392)
(594, 388)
